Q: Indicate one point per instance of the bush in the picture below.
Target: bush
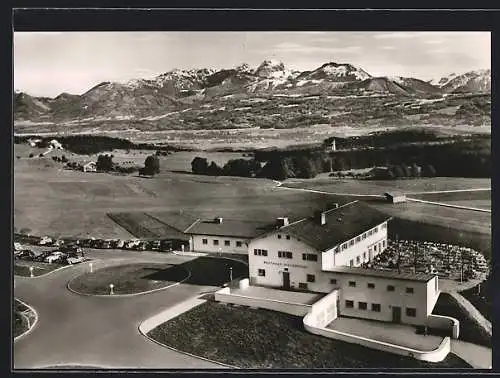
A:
(41, 155)
(31, 155)
(151, 165)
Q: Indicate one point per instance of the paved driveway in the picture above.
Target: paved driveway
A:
(80, 330)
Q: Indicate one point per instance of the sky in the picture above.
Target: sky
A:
(49, 63)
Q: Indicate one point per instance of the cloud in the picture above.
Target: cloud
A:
(305, 49)
(388, 47)
(396, 35)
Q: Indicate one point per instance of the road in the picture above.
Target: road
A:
(101, 332)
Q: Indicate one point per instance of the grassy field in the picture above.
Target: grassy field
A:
(22, 268)
(128, 279)
(469, 330)
(143, 225)
(251, 338)
(136, 278)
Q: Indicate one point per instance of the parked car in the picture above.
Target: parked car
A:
(75, 260)
(45, 240)
(25, 255)
(141, 246)
(55, 257)
(17, 246)
(155, 245)
(58, 243)
(42, 256)
(120, 244)
(106, 244)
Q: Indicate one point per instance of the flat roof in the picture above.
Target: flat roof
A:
(342, 224)
(391, 274)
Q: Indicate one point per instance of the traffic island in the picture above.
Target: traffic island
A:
(38, 268)
(130, 279)
(256, 338)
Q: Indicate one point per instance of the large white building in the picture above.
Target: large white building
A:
(327, 252)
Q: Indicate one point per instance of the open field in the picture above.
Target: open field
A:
(251, 338)
(331, 184)
(143, 225)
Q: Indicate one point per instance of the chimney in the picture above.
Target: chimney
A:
(282, 221)
(218, 220)
(320, 216)
(332, 205)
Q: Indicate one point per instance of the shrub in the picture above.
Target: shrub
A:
(31, 155)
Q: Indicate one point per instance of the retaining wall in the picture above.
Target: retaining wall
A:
(446, 323)
(298, 309)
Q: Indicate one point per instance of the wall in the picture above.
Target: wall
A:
(437, 355)
(445, 323)
(324, 311)
(432, 294)
(274, 266)
(380, 295)
(298, 309)
(198, 246)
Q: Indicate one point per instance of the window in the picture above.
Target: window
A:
(311, 278)
(371, 286)
(279, 236)
(302, 285)
(364, 236)
(349, 304)
(383, 243)
(370, 233)
(239, 244)
(357, 259)
(411, 312)
(351, 263)
(260, 252)
(216, 242)
(376, 307)
(333, 281)
(262, 272)
(309, 257)
(390, 288)
(375, 248)
(362, 305)
(364, 256)
(205, 241)
(352, 283)
(227, 243)
(375, 230)
(284, 254)
(409, 290)
(358, 239)
(351, 242)
(288, 237)
(336, 250)
(344, 246)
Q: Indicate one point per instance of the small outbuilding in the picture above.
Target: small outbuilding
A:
(395, 197)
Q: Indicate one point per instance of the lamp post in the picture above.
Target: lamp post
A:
(231, 274)
(31, 272)
(111, 286)
(90, 266)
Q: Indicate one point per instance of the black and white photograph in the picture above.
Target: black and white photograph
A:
(251, 200)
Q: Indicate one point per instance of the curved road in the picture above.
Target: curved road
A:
(79, 330)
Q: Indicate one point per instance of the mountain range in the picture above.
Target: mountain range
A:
(182, 90)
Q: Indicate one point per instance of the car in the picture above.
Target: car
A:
(17, 246)
(75, 260)
(42, 256)
(45, 241)
(155, 245)
(55, 257)
(120, 244)
(25, 255)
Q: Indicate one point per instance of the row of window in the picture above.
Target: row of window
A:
(408, 290)
(287, 255)
(227, 243)
(359, 238)
(284, 254)
(260, 252)
(287, 237)
(410, 311)
(358, 258)
(310, 277)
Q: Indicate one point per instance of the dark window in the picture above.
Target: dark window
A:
(279, 236)
(351, 262)
(288, 237)
(357, 259)
(227, 242)
(262, 272)
(410, 290)
(309, 257)
(349, 304)
(264, 252)
(205, 241)
(375, 248)
(239, 244)
(311, 278)
(351, 242)
(364, 256)
(411, 312)
(364, 235)
(362, 305)
(383, 243)
(352, 283)
(370, 233)
(376, 307)
(302, 285)
(285, 254)
(375, 229)
(390, 288)
(371, 286)
(344, 246)
(333, 281)
(260, 252)
(358, 239)
(216, 242)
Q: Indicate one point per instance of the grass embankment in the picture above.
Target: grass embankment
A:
(483, 300)
(39, 268)
(21, 319)
(251, 338)
(470, 331)
(137, 278)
